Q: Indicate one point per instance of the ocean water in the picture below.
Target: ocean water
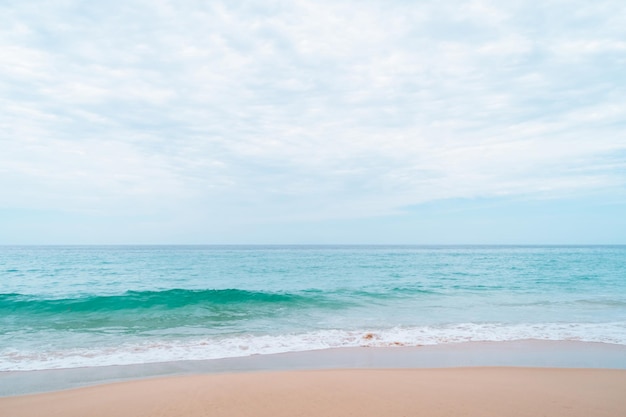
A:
(75, 306)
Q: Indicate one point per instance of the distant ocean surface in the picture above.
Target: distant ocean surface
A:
(74, 306)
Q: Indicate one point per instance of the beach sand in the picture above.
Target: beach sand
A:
(352, 392)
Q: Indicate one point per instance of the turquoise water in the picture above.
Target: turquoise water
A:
(88, 305)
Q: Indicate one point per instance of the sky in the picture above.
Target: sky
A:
(312, 122)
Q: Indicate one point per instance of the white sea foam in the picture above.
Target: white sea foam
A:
(214, 348)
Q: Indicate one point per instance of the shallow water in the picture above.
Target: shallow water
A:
(87, 305)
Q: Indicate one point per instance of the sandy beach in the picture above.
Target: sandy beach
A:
(360, 392)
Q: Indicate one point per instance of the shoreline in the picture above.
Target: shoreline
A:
(473, 392)
(519, 354)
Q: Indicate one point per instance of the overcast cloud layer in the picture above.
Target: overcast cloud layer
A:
(242, 121)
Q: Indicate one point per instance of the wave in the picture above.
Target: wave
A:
(181, 298)
(134, 300)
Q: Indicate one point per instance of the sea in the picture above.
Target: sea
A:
(85, 306)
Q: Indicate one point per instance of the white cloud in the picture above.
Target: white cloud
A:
(305, 110)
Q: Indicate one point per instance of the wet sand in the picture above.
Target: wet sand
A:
(521, 353)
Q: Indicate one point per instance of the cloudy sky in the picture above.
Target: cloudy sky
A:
(312, 121)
